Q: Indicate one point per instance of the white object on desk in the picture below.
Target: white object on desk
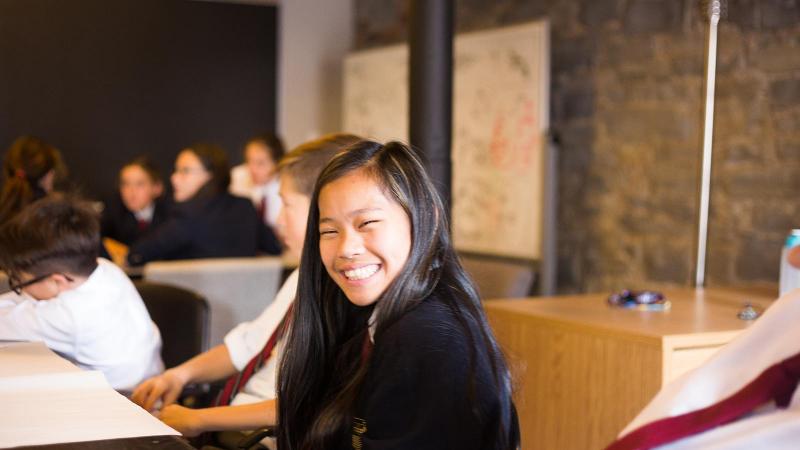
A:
(20, 359)
(43, 404)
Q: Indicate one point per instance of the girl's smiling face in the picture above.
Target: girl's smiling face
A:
(365, 237)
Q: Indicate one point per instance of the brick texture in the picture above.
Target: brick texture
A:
(627, 105)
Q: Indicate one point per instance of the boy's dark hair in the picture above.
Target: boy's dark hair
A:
(148, 166)
(305, 162)
(215, 160)
(272, 142)
(56, 234)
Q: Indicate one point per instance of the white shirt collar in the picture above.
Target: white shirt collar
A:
(146, 214)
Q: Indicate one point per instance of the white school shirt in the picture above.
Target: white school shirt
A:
(146, 214)
(248, 339)
(242, 186)
(100, 325)
(772, 338)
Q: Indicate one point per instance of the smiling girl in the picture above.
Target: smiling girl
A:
(389, 346)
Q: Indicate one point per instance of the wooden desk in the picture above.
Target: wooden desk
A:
(583, 370)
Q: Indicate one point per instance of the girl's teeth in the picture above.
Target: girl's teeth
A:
(361, 272)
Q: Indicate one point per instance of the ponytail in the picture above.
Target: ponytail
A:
(16, 193)
(27, 161)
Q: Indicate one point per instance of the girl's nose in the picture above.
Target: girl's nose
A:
(351, 245)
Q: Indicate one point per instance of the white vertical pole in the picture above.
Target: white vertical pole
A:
(705, 187)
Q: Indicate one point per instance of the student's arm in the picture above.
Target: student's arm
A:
(170, 237)
(191, 422)
(47, 320)
(212, 365)
(794, 256)
(268, 243)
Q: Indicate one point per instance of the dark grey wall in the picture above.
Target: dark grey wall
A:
(627, 87)
(107, 80)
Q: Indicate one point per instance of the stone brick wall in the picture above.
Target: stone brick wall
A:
(627, 105)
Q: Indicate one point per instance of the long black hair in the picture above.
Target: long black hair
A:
(320, 373)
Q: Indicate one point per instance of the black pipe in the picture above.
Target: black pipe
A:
(431, 88)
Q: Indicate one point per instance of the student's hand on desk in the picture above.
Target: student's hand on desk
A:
(165, 387)
(794, 256)
(117, 250)
(186, 420)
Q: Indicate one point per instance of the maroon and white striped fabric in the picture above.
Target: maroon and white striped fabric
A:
(744, 397)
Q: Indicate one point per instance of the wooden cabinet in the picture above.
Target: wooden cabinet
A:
(583, 370)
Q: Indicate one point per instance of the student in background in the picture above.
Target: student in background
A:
(388, 344)
(206, 221)
(257, 178)
(83, 307)
(30, 169)
(253, 403)
(138, 209)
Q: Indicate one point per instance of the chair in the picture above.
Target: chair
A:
(181, 316)
(499, 277)
(237, 289)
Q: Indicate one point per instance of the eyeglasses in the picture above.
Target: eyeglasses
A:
(183, 171)
(17, 286)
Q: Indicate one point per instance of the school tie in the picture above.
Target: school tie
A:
(262, 209)
(237, 382)
(778, 383)
(142, 224)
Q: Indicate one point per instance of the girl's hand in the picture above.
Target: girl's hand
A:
(186, 420)
(794, 257)
(165, 387)
(117, 250)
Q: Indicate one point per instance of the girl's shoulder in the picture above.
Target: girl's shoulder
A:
(432, 324)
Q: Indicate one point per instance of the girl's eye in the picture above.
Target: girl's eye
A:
(368, 222)
(327, 232)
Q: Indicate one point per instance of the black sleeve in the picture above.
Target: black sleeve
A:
(169, 238)
(108, 226)
(268, 243)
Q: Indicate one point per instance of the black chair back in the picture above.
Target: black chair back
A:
(181, 315)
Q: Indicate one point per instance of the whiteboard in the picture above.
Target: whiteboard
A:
(500, 119)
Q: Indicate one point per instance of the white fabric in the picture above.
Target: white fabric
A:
(100, 325)
(248, 338)
(772, 338)
(146, 214)
(242, 185)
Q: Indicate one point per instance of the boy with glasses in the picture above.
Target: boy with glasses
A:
(81, 306)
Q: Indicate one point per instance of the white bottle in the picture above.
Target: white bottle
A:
(790, 275)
